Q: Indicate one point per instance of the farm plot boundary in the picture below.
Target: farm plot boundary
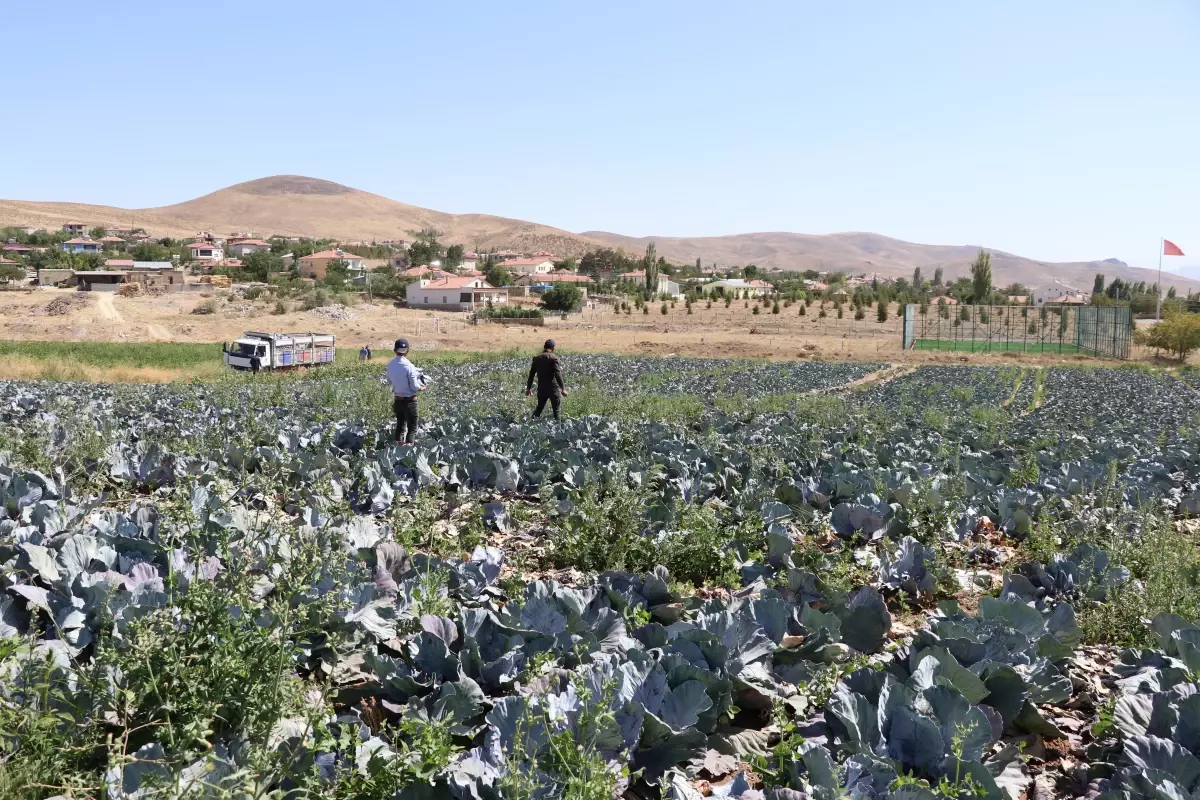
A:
(1104, 332)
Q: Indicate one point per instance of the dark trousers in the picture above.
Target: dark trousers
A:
(406, 419)
(555, 401)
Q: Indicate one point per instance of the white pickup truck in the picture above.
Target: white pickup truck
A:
(280, 351)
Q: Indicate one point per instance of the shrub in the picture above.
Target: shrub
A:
(802, 310)
(208, 306)
(315, 299)
(1178, 334)
(881, 313)
(509, 312)
(563, 297)
(775, 307)
(280, 307)
(663, 310)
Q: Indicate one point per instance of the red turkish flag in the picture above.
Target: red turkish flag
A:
(1171, 249)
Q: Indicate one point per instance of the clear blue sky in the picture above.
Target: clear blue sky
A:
(1056, 130)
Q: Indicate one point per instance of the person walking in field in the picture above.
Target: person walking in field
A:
(407, 382)
(548, 371)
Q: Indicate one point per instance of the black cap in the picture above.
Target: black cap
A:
(401, 346)
(549, 345)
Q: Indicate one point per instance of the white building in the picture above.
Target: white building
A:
(206, 251)
(454, 293)
(244, 247)
(664, 283)
(529, 266)
(731, 285)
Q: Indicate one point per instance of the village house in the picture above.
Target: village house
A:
(25, 229)
(124, 233)
(454, 293)
(244, 247)
(74, 229)
(469, 263)
(4, 262)
(316, 265)
(20, 249)
(529, 266)
(558, 276)
(1069, 300)
(664, 283)
(99, 280)
(741, 285)
(425, 273)
(80, 246)
(113, 243)
(206, 252)
(150, 274)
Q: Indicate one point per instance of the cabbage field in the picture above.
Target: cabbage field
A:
(712, 578)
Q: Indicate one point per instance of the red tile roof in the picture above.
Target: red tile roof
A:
(334, 254)
(81, 241)
(255, 242)
(118, 262)
(420, 272)
(117, 239)
(455, 282)
(525, 262)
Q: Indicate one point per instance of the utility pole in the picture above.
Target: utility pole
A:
(1158, 298)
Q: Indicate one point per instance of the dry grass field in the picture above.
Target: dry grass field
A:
(714, 332)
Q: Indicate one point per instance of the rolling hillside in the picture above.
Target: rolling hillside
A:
(870, 252)
(299, 206)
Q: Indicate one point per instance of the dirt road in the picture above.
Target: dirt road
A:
(106, 309)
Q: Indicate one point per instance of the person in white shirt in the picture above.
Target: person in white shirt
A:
(406, 382)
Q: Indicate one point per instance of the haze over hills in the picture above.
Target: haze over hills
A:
(294, 205)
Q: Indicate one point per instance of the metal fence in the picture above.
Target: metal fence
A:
(1091, 330)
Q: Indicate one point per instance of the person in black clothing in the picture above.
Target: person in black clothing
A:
(549, 379)
(255, 363)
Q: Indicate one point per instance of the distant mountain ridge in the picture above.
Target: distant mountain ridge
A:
(295, 205)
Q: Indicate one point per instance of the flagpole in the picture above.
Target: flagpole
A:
(1158, 305)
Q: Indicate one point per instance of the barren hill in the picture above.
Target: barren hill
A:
(298, 206)
(295, 205)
